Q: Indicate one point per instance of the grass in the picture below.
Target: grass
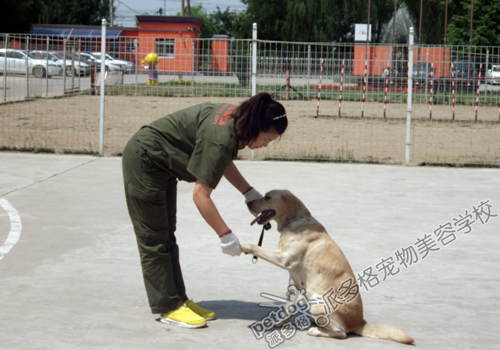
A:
(188, 88)
(27, 149)
(460, 165)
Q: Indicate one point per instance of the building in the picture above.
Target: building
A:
(176, 40)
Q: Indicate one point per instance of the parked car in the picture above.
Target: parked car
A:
(493, 75)
(15, 61)
(73, 66)
(125, 66)
(88, 59)
(465, 75)
(422, 70)
(110, 66)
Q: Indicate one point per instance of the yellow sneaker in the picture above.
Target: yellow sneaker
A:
(205, 313)
(183, 317)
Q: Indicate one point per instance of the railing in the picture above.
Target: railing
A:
(361, 115)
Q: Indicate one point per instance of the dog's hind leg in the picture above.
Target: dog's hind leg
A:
(334, 329)
(324, 332)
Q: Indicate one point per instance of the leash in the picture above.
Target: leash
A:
(264, 228)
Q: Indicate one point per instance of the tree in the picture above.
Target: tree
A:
(485, 26)
(19, 16)
(207, 27)
(242, 25)
(433, 19)
(269, 15)
(222, 21)
(316, 20)
(15, 16)
(218, 21)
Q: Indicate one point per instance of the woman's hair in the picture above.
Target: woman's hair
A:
(259, 113)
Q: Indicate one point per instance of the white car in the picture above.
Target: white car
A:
(493, 75)
(73, 65)
(80, 68)
(110, 65)
(15, 61)
(125, 66)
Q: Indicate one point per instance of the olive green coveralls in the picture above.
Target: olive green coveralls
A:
(197, 143)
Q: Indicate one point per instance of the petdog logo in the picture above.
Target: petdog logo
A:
(278, 326)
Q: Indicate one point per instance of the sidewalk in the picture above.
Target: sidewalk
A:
(73, 279)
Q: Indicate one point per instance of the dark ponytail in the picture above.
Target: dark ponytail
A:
(259, 113)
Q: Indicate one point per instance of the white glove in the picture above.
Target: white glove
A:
(230, 244)
(252, 195)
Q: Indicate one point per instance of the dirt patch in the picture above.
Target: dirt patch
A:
(72, 125)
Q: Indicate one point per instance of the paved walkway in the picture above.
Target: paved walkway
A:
(70, 275)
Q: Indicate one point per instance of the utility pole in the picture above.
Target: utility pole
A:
(110, 13)
(471, 24)
(189, 7)
(182, 8)
(394, 22)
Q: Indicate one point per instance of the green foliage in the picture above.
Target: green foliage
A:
(242, 25)
(316, 20)
(270, 16)
(486, 28)
(18, 16)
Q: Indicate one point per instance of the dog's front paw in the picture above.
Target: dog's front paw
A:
(246, 248)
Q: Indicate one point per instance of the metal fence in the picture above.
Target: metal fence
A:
(345, 102)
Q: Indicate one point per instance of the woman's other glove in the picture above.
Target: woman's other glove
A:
(251, 195)
(230, 244)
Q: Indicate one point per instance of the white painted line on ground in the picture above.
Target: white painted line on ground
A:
(15, 227)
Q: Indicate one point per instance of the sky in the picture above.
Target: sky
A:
(126, 10)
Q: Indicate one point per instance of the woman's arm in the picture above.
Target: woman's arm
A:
(233, 175)
(201, 197)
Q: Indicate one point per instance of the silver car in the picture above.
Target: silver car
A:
(493, 75)
(72, 66)
(125, 66)
(16, 61)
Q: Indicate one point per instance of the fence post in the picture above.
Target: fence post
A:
(6, 41)
(308, 68)
(254, 70)
(27, 50)
(47, 75)
(64, 65)
(103, 71)
(410, 93)
(136, 64)
(486, 76)
(254, 59)
(192, 67)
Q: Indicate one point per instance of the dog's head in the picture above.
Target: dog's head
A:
(278, 205)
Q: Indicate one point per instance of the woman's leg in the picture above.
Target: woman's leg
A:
(151, 196)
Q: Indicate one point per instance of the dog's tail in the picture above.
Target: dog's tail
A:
(383, 332)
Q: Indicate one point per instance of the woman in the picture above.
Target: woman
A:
(197, 145)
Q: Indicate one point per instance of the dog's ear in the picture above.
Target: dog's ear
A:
(293, 205)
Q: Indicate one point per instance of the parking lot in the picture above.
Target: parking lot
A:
(71, 277)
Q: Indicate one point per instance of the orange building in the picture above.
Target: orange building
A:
(173, 39)
(379, 57)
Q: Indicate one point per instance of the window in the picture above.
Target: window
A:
(165, 47)
(114, 48)
(15, 54)
(130, 44)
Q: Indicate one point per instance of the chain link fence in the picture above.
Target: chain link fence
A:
(345, 102)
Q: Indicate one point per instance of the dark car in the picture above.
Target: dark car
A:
(465, 75)
(422, 73)
(422, 70)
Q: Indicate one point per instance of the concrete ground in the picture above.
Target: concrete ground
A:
(72, 278)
